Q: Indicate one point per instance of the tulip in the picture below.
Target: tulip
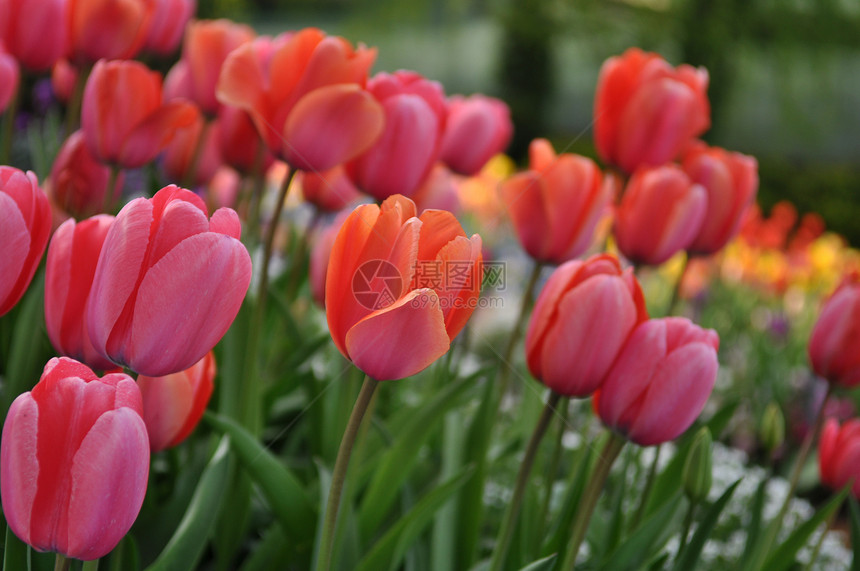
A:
(184, 158)
(72, 258)
(319, 257)
(834, 346)
(168, 284)
(556, 204)
(660, 214)
(173, 404)
(477, 128)
(240, 144)
(123, 118)
(438, 191)
(108, 29)
(730, 181)
(399, 288)
(79, 182)
(839, 455)
(9, 78)
(329, 191)
(74, 461)
(168, 24)
(580, 322)
(660, 381)
(645, 111)
(305, 93)
(25, 224)
(400, 160)
(34, 31)
(64, 76)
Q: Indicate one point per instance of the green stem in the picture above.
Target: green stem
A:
(107, 201)
(676, 290)
(338, 476)
(258, 184)
(590, 496)
(9, 127)
(73, 109)
(555, 460)
(685, 531)
(646, 491)
(509, 523)
(92, 565)
(507, 364)
(776, 523)
(62, 563)
(199, 145)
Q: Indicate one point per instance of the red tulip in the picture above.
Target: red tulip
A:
(179, 155)
(79, 181)
(72, 258)
(580, 322)
(839, 455)
(123, 118)
(660, 214)
(25, 224)
(645, 111)
(168, 284)
(477, 128)
(305, 93)
(400, 160)
(661, 380)
(834, 346)
(34, 31)
(730, 181)
(108, 29)
(173, 404)
(168, 24)
(9, 78)
(556, 204)
(399, 288)
(240, 144)
(74, 461)
(64, 76)
(329, 191)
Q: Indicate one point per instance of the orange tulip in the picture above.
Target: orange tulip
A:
(109, 29)
(305, 93)
(399, 288)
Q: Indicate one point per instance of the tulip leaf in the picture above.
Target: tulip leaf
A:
(389, 550)
(15, 553)
(784, 555)
(754, 528)
(124, 557)
(282, 490)
(854, 512)
(543, 564)
(648, 538)
(185, 548)
(393, 468)
(688, 558)
(585, 459)
(269, 551)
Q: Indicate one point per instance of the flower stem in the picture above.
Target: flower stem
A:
(552, 470)
(525, 304)
(685, 531)
(9, 127)
(646, 491)
(90, 565)
(338, 477)
(62, 563)
(590, 496)
(507, 530)
(108, 200)
(676, 289)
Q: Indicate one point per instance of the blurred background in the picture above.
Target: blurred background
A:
(785, 74)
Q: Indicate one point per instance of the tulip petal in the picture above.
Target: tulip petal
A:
(400, 340)
(438, 228)
(207, 265)
(15, 237)
(19, 469)
(462, 271)
(226, 221)
(523, 196)
(109, 475)
(167, 403)
(149, 137)
(177, 222)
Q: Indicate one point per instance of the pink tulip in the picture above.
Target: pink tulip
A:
(646, 111)
(320, 254)
(329, 191)
(834, 346)
(168, 284)
(108, 29)
(168, 24)
(173, 404)
(79, 181)
(660, 381)
(477, 128)
(9, 78)
(240, 144)
(34, 31)
(399, 288)
(839, 455)
(123, 118)
(556, 204)
(660, 214)
(72, 258)
(179, 158)
(730, 181)
(25, 224)
(580, 322)
(439, 191)
(305, 93)
(64, 76)
(401, 159)
(74, 461)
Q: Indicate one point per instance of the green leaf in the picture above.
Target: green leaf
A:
(854, 512)
(282, 490)
(586, 457)
(268, 552)
(783, 556)
(393, 468)
(648, 538)
(125, 556)
(688, 559)
(15, 553)
(543, 564)
(720, 420)
(754, 529)
(385, 553)
(185, 548)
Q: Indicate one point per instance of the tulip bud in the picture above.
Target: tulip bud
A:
(698, 467)
(772, 430)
